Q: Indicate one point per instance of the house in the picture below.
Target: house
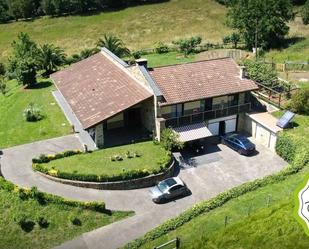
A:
(118, 103)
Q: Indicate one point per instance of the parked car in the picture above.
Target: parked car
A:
(169, 189)
(240, 143)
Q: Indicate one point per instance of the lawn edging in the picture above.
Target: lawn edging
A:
(206, 206)
(142, 182)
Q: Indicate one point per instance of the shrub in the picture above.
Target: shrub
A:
(75, 220)
(137, 54)
(2, 69)
(32, 113)
(286, 147)
(24, 221)
(43, 223)
(170, 140)
(3, 87)
(161, 48)
(300, 101)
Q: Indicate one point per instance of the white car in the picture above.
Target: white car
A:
(169, 189)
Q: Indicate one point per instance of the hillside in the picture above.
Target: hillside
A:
(139, 27)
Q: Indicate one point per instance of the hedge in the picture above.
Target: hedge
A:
(38, 165)
(286, 146)
(301, 160)
(44, 198)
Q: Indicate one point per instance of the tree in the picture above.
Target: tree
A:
(114, 44)
(188, 46)
(48, 7)
(261, 22)
(4, 11)
(23, 8)
(50, 58)
(233, 38)
(305, 13)
(23, 63)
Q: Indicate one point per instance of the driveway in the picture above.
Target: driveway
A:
(219, 169)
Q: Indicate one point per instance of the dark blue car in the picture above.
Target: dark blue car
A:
(239, 143)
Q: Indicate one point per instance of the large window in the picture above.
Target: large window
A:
(233, 99)
(177, 110)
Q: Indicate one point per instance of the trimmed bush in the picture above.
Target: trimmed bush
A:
(32, 113)
(43, 223)
(286, 147)
(161, 48)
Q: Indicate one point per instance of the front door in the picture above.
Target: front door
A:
(222, 128)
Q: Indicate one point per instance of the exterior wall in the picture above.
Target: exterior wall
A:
(116, 121)
(241, 99)
(241, 122)
(148, 115)
(99, 135)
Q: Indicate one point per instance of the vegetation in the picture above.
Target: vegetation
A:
(261, 20)
(32, 219)
(234, 38)
(111, 164)
(261, 72)
(188, 46)
(299, 102)
(114, 44)
(170, 140)
(305, 13)
(14, 129)
(32, 113)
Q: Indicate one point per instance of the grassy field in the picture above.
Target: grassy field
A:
(99, 162)
(298, 51)
(251, 224)
(15, 130)
(157, 60)
(60, 228)
(139, 27)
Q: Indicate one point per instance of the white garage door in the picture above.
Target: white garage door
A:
(214, 128)
(262, 135)
(230, 125)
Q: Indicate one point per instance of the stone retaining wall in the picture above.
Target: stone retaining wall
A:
(143, 182)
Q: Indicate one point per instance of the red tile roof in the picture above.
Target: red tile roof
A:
(198, 80)
(98, 88)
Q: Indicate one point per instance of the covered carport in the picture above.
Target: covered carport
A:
(193, 132)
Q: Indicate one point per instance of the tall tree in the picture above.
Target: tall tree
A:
(114, 44)
(261, 22)
(23, 8)
(50, 58)
(4, 11)
(23, 63)
(305, 13)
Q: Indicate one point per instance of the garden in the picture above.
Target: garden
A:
(111, 164)
(36, 220)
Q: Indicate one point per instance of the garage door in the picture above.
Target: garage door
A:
(262, 135)
(230, 125)
(214, 128)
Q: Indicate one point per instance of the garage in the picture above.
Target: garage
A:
(263, 127)
(220, 126)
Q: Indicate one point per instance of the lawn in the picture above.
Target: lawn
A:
(139, 27)
(60, 228)
(251, 224)
(171, 58)
(99, 162)
(14, 130)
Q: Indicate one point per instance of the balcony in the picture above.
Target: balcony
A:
(207, 115)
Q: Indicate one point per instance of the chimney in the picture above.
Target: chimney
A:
(142, 62)
(242, 73)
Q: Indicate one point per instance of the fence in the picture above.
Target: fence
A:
(289, 65)
(172, 244)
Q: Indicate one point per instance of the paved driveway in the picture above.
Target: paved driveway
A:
(218, 170)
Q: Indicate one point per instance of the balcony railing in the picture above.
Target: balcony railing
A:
(203, 116)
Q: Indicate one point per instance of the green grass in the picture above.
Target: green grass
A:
(14, 130)
(295, 52)
(99, 162)
(251, 224)
(60, 228)
(139, 27)
(157, 60)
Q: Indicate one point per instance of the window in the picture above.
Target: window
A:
(177, 110)
(173, 189)
(233, 99)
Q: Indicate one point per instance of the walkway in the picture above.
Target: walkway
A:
(220, 169)
(66, 109)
